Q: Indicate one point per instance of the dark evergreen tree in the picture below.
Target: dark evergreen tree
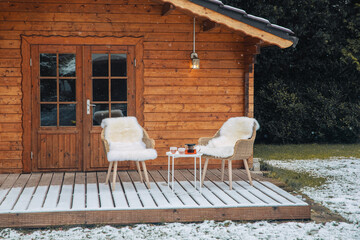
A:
(310, 93)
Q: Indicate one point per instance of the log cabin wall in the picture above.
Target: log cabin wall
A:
(180, 104)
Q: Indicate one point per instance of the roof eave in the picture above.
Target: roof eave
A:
(238, 20)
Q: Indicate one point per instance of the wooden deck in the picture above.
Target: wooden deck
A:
(76, 198)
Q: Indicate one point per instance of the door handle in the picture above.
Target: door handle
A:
(88, 105)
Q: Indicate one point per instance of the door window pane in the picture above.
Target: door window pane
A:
(119, 110)
(67, 114)
(47, 65)
(48, 90)
(67, 65)
(67, 90)
(118, 65)
(100, 90)
(118, 89)
(48, 114)
(100, 64)
(100, 111)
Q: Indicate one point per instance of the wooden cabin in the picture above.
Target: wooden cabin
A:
(66, 65)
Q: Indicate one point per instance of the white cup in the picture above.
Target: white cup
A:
(173, 150)
(181, 150)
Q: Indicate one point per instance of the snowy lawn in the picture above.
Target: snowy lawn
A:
(340, 193)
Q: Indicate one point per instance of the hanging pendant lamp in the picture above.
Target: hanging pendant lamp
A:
(195, 61)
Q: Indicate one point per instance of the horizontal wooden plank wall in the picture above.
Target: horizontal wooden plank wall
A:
(181, 104)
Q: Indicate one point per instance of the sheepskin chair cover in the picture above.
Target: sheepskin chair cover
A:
(231, 131)
(124, 135)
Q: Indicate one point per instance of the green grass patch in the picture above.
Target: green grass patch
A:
(296, 180)
(305, 151)
(292, 179)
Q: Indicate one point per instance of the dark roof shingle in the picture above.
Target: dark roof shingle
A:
(242, 16)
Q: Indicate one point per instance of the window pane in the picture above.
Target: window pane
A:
(67, 65)
(67, 90)
(118, 65)
(47, 65)
(118, 89)
(48, 115)
(100, 65)
(100, 90)
(48, 90)
(67, 114)
(100, 111)
(119, 110)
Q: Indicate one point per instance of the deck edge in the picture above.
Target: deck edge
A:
(124, 217)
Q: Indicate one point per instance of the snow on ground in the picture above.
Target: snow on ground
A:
(205, 230)
(341, 193)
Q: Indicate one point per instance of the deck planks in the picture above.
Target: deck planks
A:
(66, 197)
(39, 195)
(179, 190)
(2, 178)
(78, 193)
(52, 195)
(143, 192)
(92, 194)
(242, 191)
(78, 202)
(106, 200)
(14, 193)
(7, 185)
(119, 196)
(163, 186)
(129, 190)
(26, 195)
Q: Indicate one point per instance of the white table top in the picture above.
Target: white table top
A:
(177, 155)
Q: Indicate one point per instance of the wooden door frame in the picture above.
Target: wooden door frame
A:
(26, 70)
(89, 129)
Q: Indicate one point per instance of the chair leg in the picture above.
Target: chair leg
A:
(230, 174)
(247, 171)
(114, 175)
(139, 170)
(146, 175)
(204, 171)
(222, 169)
(108, 172)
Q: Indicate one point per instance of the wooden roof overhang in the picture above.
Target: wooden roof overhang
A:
(215, 12)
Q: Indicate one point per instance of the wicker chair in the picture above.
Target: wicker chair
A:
(150, 143)
(243, 150)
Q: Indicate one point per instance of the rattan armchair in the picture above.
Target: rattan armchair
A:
(243, 150)
(150, 144)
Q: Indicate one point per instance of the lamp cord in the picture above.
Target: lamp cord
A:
(194, 36)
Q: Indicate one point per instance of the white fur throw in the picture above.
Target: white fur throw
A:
(122, 129)
(231, 131)
(138, 155)
(124, 135)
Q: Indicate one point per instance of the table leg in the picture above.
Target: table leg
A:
(173, 173)
(195, 172)
(200, 171)
(168, 171)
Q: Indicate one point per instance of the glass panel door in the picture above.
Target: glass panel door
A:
(109, 85)
(110, 90)
(56, 118)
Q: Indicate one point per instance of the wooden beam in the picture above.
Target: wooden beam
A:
(207, 25)
(229, 22)
(45, 219)
(26, 105)
(167, 9)
(252, 48)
